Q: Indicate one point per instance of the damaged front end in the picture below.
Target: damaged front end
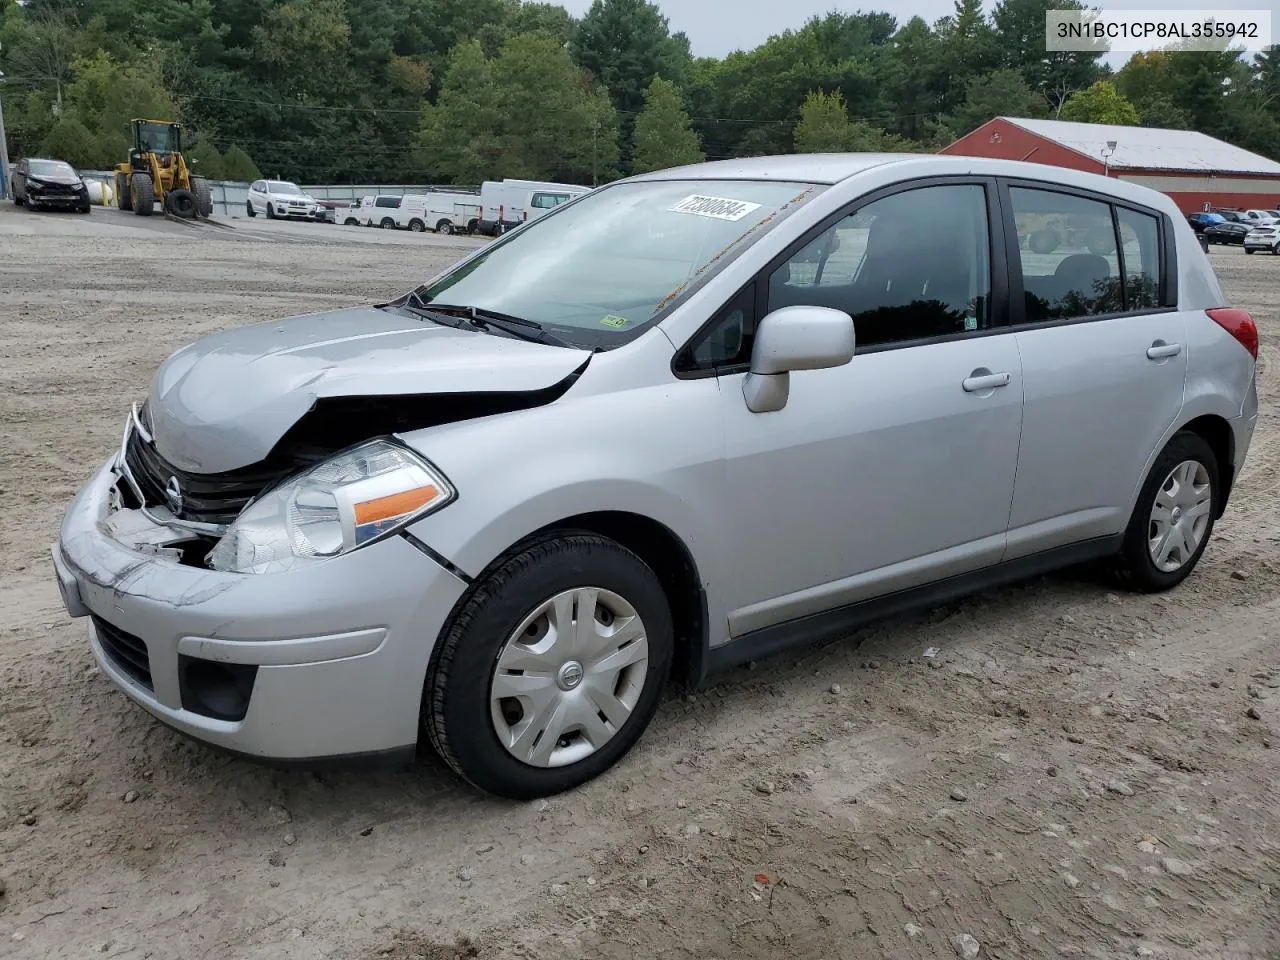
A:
(159, 507)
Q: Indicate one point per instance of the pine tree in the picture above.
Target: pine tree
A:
(664, 136)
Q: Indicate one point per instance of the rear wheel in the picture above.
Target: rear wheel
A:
(445, 227)
(204, 196)
(143, 195)
(472, 225)
(551, 669)
(1173, 518)
(387, 224)
(248, 208)
(416, 225)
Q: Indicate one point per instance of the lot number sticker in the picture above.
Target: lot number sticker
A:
(718, 208)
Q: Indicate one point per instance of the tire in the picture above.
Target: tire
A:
(13, 194)
(1275, 251)
(1248, 251)
(445, 227)
(248, 208)
(458, 715)
(351, 222)
(500, 229)
(271, 211)
(1135, 568)
(415, 226)
(387, 224)
(123, 200)
(204, 196)
(472, 226)
(85, 209)
(143, 195)
(181, 203)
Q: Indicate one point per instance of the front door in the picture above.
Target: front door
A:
(898, 468)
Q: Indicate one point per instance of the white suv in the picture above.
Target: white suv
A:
(278, 199)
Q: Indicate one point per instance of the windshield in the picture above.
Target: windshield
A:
(156, 137)
(279, 186)
(51, 168)
(602, 267)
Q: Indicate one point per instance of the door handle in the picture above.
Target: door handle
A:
(981, 380)
(1163, 351)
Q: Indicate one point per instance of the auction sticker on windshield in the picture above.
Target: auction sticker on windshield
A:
(720, 208)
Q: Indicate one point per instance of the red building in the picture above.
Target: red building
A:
(1196, 170)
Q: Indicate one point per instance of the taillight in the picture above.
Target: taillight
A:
(1239, 324)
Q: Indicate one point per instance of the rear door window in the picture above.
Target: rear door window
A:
(1071, 264)
(1067, 245)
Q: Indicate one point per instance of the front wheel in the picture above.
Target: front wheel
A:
(1173, 518)
(445, 227)
(271, 212)
(387, 224)
(1249, 251)
(552, 668)
(417, 226)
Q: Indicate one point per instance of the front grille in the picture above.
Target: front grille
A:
(124, 650)
(206, 497)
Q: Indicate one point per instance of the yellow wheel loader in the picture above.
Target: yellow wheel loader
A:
(157, 171)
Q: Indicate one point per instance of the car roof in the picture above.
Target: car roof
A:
(832, 168)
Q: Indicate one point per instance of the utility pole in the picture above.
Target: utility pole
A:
(595, 129)
(4, 148)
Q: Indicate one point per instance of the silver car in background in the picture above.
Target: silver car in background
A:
(682, 422)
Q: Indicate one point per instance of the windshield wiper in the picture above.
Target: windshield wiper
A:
(482, 318)
(415, 304)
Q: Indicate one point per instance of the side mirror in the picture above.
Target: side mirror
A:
(794, 338)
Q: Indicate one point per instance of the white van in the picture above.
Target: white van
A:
(444, 211)
(508, 203)
(380, 211)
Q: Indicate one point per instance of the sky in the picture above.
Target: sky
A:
(718, 27)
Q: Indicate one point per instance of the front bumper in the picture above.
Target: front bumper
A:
(337, 650)
(59, 199)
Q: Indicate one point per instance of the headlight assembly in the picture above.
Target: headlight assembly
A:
(339, 505)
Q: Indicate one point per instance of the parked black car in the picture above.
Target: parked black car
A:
(1226, 232)
(48, 183)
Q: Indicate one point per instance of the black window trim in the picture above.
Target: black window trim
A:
(1168, 289)
(997, 226)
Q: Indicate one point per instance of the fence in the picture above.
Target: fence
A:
(230, 196)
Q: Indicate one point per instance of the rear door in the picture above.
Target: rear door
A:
(1104, 357)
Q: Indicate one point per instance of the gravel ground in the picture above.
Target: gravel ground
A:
(1078, 772)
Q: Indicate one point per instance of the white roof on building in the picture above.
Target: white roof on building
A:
(1149, 148)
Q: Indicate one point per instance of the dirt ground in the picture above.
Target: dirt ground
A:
(1079, 772)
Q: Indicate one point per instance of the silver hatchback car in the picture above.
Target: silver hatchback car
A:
(684, 421)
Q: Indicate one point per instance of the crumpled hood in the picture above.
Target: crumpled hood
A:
(226, 400)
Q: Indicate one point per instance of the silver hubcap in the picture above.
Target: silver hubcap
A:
(1180, 516)
(568, 678)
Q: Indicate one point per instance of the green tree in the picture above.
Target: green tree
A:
(624, 44)
(663, 135)
(207, 159)
(1100, 103)
(1157, 110)
(824, 125)
(239, 166)
(457, 137)
(1055, 75)
(105, 95)
(301, 41)
(1003, 93)
(551, 122)
(71, 140)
